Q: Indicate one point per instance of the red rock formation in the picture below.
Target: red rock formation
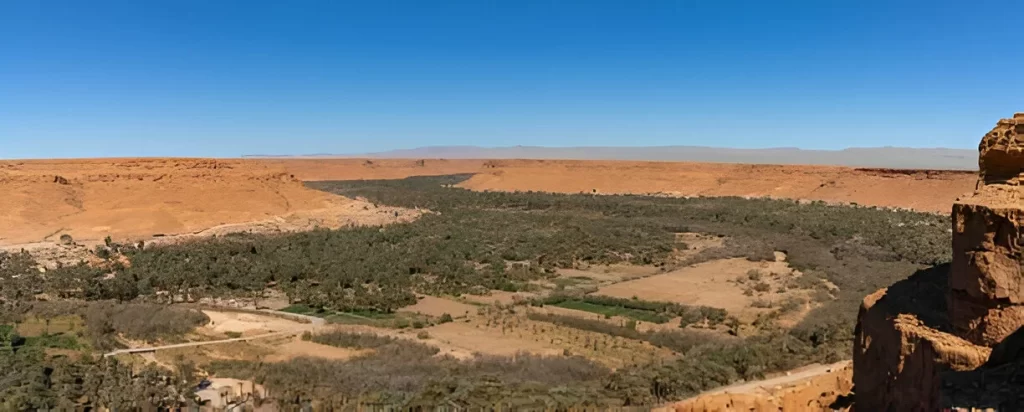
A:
(921, 340)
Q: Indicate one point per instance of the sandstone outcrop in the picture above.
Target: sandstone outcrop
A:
(926, 343)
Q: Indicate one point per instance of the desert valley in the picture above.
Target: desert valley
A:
(273, 284)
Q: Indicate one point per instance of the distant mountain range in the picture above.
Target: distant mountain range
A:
(873, 157)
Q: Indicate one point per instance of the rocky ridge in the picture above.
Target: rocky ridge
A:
(945, 338)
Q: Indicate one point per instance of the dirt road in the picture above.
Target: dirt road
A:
(313, 324)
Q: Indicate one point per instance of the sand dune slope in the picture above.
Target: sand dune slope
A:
(139, 198)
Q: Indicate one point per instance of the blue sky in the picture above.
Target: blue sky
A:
(225, 78)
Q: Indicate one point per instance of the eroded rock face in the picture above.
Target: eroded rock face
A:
(902, 345)
(1001, 152)
(920, 340)
(986, 290)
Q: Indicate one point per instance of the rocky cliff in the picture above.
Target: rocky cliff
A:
(926, 343)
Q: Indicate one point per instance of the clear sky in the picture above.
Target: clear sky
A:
(226, 78)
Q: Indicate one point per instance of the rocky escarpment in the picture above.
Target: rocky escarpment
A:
(926, 343)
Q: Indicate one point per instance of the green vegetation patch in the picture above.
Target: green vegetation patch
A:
(637, 309)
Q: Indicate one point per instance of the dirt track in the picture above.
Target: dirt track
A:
(313, 324)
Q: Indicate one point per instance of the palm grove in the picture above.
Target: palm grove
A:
(477, 241)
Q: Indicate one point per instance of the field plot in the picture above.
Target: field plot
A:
(475, 338)
(508, 335)
(297, 347)
(720, 283)
(246, 324)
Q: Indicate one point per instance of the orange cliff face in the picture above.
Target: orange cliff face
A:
(138, 198)
(931, 341)
(986, 286)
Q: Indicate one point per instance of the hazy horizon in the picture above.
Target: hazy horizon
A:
(878, 157)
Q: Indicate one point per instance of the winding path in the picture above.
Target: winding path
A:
(313, 323)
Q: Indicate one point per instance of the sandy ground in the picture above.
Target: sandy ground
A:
(709, 284)
(296, 347)
(932, 191)
(246, 323)
(474, 339)
(507, 335)
(130, 199)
